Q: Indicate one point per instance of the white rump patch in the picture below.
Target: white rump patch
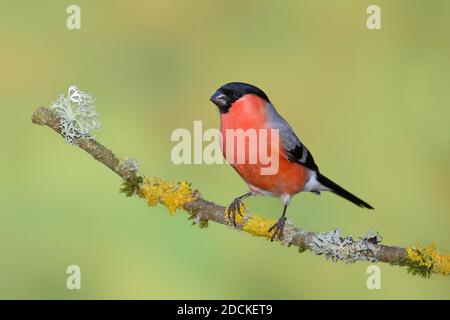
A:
(312, 184)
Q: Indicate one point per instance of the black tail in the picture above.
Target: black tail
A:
(342, 192)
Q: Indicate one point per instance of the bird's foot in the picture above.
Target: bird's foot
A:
(277, 229)
(233, 208)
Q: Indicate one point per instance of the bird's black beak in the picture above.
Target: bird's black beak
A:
(221, 101)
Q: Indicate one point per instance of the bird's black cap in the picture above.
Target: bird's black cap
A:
(229, 93)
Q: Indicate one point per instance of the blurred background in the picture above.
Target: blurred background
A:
(372, 106)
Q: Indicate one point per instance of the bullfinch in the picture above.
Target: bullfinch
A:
(245, 107)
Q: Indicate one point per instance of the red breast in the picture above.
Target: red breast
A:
(249, 112)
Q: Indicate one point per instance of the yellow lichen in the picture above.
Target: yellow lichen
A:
(173, 196)
(430, 259)
(253, 223)
(258, 226)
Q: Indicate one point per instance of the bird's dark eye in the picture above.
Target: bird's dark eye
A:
(238, 95)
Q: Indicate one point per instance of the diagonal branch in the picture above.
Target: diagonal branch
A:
(331, 244)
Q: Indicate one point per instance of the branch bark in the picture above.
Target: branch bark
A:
(331, 244)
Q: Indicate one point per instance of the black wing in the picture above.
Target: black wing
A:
(300, 154)
(294, 149)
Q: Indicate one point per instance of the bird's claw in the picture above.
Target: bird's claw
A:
(277, 229)
(233, 208)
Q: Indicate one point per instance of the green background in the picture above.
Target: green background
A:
(372, 106)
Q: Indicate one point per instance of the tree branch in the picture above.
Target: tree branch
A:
(331, 244)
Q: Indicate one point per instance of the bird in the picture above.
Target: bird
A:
(245, 106)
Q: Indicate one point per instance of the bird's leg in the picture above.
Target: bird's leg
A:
(235, 207)
(278, 227)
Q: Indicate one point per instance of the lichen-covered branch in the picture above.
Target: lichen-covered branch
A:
(45, 116)
(173, 196)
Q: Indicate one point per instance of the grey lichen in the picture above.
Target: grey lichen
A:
(130, 164)
(77, 114)
(336, 248)
(197, 220)
(289, 232)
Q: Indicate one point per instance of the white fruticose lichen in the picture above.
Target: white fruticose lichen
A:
(77, 114)
(336, 248)
(130, 164)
